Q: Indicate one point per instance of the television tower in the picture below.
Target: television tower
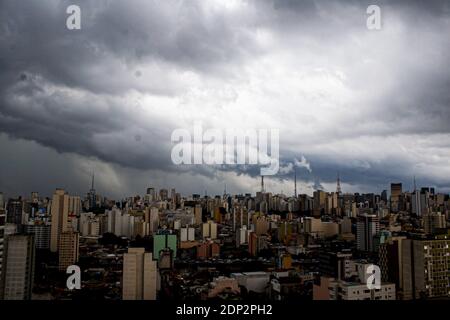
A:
(92, 195)
(338, 185)
(295, 182)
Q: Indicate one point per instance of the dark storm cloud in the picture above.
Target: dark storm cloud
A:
(116, 36)
(115, 89)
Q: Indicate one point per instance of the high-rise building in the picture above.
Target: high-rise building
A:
(416, 207)
(433, 221)
(14, 210)
(241, 236)
(208, 249)
(173, 196)
(164, 241)
(152, 217)
(396, 192)
(2, 201)
(419, 267)
(151, 194)
(92, 196)
(198, 214)
(261, 225)
(384, 196)
(18, 272)
(209, 230)
(41, 232)
(114, 217)
(319, 204)
(62, 207)
(367, 227)
(2, 237)
(187, 234)
(34, 197)
(431, 267)
(253, 243)
(68, 249)
(139, 275)
(127, 224)
(395, 264)
(163, 194)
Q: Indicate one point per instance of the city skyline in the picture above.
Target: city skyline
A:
(290, 193)
(332, 246)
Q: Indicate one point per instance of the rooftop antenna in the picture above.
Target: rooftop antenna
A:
(262, 184)
(92, 182)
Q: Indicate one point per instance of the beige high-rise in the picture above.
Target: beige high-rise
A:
(63, 205)
(198, 214)
(433, 221)
(68, 249)
(139, 275)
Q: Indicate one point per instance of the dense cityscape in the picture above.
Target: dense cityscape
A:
(270, 247)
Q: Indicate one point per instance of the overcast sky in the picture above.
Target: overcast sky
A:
(373, 105)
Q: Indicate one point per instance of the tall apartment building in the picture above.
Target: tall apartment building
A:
(151, 194)
(68, 248)
(114, 217)
(62, 207)
(261, 225)
(396, 192)
(41, 234)
(431, 263)
(89, 224)
(163, 194)
(208, 249)
(420, 268)
(209, 230)
(164, 241)
(187, 234)
(139, 275)
(319, 204)
(395, 265)
(367, 227)
(433, 221)
(2, 237)
(18, 271)
(153, 219)
(198, 214)
(14, 210)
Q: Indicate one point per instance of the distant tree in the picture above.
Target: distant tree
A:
(142, 242)
(109, 239)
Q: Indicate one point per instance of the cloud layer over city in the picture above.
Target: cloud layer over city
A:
(373, 105)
